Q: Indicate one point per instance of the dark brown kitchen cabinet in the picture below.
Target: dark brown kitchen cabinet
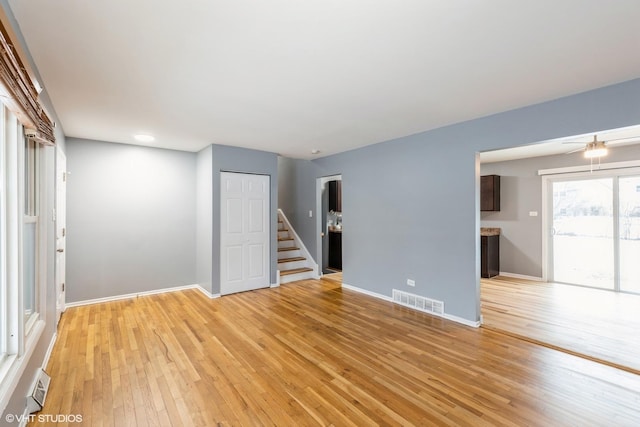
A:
(489, 256)
(490, 193)
(335, 196)
(335, 250)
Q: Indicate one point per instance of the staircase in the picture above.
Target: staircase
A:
(294, 261)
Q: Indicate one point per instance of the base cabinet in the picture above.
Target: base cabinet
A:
(335, 251)
(489, 256)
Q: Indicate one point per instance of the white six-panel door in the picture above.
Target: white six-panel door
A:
(244, 232)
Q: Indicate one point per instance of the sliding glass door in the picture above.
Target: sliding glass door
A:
(583, 242)
(629, 233)
(595, 229)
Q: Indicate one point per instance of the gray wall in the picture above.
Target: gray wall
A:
(521, 193)
(411, 205)
(234, 159)
(131, 216)
(297, 195)
(286, 179)
(204, 218)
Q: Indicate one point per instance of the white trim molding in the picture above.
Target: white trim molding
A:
(446, 316)
(366, 292)
(47, 355)
(204, 291)
(140, 294)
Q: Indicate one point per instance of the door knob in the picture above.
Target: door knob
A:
(60, 250)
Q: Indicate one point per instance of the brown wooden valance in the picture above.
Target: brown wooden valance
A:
(18, 92)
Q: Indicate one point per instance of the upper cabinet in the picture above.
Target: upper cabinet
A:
(335, 196)
(490, 193)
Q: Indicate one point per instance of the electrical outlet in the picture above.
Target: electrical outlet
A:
(411, 282)
(310, 214)
(533, 213)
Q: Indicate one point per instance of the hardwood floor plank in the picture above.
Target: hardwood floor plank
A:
(600, 325)
(312, 353)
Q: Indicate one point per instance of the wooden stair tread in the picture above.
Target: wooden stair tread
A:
(296, 258)
(295, 270)
(284, 239)
(293, 248)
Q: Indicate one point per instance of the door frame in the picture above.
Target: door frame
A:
(320, 228)
(61, 216)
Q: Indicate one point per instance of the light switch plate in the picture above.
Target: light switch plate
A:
(533, 213)
(411, 282)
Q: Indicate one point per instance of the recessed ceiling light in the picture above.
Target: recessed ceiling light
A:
(143, 137)
(315, 151)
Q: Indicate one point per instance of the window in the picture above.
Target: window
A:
(19, 238)
(3, 244)
(30, 259)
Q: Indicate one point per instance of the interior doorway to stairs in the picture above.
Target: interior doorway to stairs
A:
(329, 223)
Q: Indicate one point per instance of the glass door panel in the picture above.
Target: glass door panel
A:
(629, 233)
(583, 244)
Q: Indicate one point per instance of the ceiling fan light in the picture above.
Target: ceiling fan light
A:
(595, 149)
(595, 152)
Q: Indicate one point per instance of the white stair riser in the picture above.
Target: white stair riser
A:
(286, 243)
(283, 233)
(288, 254)
(298, 276)
(282, 266)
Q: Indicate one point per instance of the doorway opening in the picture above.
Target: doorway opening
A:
(329, 224)
(569, 235)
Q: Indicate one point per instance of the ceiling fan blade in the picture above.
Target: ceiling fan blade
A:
(623, 140)
(575, 151)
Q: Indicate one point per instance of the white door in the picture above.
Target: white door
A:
(244, 232)
(61, 230)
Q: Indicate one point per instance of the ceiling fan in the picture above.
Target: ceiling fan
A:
(598, 148)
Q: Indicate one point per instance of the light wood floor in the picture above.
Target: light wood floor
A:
(600, 325)
(311, 353)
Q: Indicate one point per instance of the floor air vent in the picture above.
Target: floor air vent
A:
(35, 401)
(427, 305)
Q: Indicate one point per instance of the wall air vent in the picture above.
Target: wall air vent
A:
(418, 302)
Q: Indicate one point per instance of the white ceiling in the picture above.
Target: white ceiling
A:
(290, 76)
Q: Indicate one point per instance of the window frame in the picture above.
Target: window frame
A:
(18, 336)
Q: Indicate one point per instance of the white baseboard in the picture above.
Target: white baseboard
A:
(206, 292)
(521, 276)
(47, 355)
(140, 294)
(366, 292)
(461, 320)
(390, 299)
